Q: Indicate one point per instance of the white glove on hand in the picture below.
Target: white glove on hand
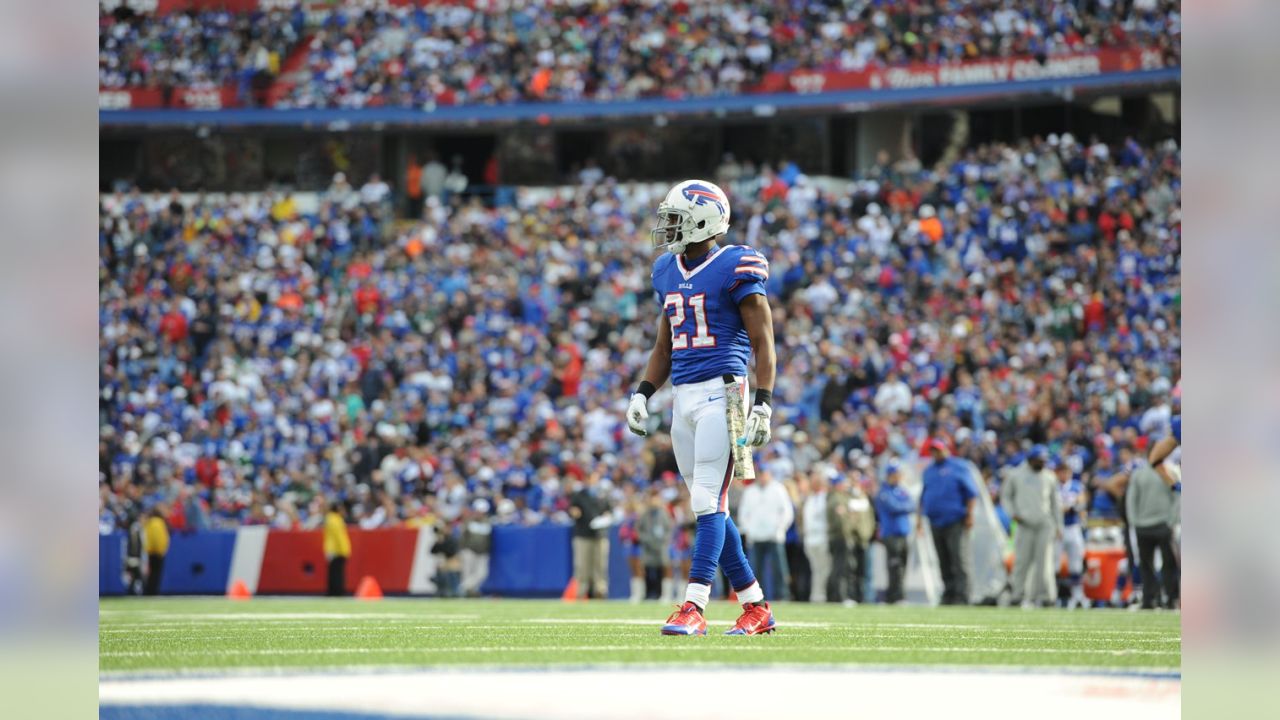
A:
(758, 432)
(638, 414)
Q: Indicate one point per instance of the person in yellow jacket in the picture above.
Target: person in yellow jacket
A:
(155, 545)
(337, 548)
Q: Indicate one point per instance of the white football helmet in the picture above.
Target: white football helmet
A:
(693, 211)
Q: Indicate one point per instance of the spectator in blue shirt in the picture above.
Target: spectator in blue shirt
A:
(948, 500)
(893, 515)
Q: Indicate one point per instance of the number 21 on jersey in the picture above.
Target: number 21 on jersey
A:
(702, 338)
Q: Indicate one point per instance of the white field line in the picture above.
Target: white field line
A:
(119, 634)
(264, 652)
(782, 621)
(144, 630)
(463, 624)
(651, 622)
(1072, 629)
(230, 616)
(600, 694)
(350, 632)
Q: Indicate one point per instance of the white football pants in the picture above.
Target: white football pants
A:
(700, 439)
(1073, 546)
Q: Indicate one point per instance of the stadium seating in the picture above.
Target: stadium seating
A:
(410, 55)
(257, 359)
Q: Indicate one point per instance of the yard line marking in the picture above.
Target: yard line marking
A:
(223, 616)
(141, 633)
(653, 622)
(615, 648)
(124, 634)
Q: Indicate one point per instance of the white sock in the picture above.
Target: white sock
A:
(637, 589)
(667, 589)
(698, 594)
(752, 594)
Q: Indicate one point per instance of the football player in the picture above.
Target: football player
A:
(715, 315)
(1074, 505)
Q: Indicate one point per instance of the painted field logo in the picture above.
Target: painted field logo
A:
(701, 195)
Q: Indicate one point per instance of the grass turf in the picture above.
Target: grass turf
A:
(201, 635)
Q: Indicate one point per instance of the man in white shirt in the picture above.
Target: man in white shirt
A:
(375, 191)
(813, 523)
(893, 396)
(766, 512)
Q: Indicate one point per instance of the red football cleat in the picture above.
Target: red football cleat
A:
(687, 620)
(755, 620)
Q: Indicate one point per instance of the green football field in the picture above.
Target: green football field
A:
(178, 635)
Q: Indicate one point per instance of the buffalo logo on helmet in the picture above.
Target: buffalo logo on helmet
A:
(701, 195)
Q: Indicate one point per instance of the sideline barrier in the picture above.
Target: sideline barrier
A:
(198, 563)
(111, 551)
(530, 561)
(525, 562)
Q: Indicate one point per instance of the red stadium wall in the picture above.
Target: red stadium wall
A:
(164, 7)
(147, 98)
(387, 555)
(963, 73)
(293, 563)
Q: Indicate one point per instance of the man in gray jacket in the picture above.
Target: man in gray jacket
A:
(1030, 497)
(653, 528)
(1152, 508)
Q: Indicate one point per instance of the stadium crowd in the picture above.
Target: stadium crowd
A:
(197, 49)
(257, 362)
(374, 54)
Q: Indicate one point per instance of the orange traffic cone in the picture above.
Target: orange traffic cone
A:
(239, 591)
(570, 591)
(368, 589)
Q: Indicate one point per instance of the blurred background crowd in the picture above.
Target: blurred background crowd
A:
(367, 54)
(260, 359)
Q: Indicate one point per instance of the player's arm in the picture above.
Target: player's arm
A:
(757, 319)
(656, 372)
(1159, 453)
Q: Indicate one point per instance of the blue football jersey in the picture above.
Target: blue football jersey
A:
(708, 339)
(1072, 495)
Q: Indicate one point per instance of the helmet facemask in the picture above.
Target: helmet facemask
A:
(674, 230)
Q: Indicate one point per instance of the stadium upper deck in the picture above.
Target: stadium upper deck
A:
(240, 53)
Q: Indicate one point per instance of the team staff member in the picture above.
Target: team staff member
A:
(893, 511)
(337, 548)
(155, 545)
(1152, 509)
(948, 500)
(1031, 497)
(591, 520)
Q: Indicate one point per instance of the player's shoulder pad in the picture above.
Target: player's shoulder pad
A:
(748, 263)
(662, 262)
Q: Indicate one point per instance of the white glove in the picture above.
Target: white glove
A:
(638, 414)
(758, 432)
